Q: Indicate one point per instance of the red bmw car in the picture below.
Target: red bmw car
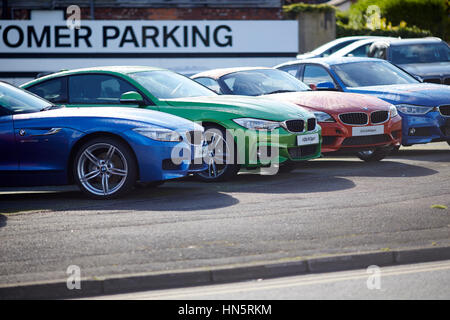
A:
(364, 125)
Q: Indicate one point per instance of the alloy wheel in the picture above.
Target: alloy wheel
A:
(102, 169)
(216, 156)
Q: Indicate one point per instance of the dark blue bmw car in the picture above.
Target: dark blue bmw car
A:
(424, 107)
(103, 150)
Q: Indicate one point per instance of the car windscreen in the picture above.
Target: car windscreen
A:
(164, 84)
(371, 73)
(420, 53)
(262, 81)
(331, 47)
(18, 101)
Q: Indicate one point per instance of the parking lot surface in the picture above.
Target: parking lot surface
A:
(332, 205)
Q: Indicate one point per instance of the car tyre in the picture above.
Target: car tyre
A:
(374, 155)
(105, 168)
(217, 170)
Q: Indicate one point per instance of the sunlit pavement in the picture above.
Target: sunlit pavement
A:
(327, 206)
(415, 281)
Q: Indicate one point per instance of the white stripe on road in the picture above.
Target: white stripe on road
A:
(293, 281)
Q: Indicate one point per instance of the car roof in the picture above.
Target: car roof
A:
(106, 69)
(397, 42)
(337, 41)
(329, 61)
(354, 45)
(217, 73)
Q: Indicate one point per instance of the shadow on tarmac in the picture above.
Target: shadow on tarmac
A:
(3, 220)
(422, 155)
(187, 194)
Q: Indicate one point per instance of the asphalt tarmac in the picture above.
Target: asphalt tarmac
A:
(333, 205)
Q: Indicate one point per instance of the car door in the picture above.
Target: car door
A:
(316, 74)
(8, 152)
(43, 147)
(97, 90)
(33, 146)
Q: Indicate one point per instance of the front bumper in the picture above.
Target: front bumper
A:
(277, 146)
(159, 160)
(430, 127)
(339, 137)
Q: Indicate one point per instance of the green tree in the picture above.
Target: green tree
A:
(429, 15)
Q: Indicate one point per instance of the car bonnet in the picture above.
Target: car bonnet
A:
(424, 94)
(245, 106)
(333, 102)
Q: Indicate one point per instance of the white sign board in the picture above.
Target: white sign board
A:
(39, 45)
(103, 36)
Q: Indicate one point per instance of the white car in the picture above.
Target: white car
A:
(359, 48)
(331, 47)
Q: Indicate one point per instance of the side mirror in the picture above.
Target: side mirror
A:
(418, 78)
(132, 97)
(326, 85)
(313, 86)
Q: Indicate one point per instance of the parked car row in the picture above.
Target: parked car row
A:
(360, 124)
(260, 121)
(108, 129)
(428, 59)
(424, 107)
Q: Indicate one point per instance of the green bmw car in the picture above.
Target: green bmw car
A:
(241, 132)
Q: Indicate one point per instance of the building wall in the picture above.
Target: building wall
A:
(170, 13)
(155, 9)
(184, 13)
(315, 29)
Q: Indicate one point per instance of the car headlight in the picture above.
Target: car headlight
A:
(411, 109)
(257, 124)
(159, 133)
(393, 111)
(323, 117)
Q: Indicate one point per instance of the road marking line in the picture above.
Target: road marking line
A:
(281, 283)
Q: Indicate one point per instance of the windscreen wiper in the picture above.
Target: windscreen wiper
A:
(281, 91)
(51, 107)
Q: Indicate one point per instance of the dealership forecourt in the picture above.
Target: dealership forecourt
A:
(333, 213)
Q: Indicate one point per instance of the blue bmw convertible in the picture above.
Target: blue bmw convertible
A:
(103, 150)
(424, 107)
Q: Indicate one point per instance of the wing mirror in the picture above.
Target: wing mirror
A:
(418, 78)
(132, 97)
(326, 86)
